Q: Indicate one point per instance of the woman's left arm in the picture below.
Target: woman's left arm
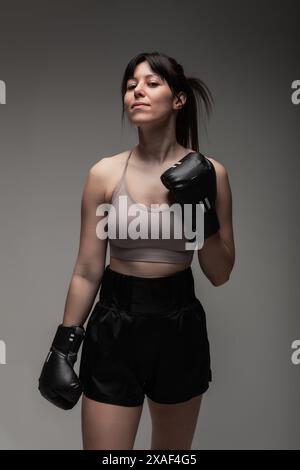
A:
(217, 255)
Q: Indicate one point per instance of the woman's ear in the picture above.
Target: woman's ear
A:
(180, 99)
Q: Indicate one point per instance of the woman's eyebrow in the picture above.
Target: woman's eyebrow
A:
(148, 75)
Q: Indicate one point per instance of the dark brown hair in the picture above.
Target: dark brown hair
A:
(196, 90)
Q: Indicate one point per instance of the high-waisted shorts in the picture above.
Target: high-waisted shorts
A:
(145, 336)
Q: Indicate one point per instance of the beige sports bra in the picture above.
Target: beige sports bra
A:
(167, 250)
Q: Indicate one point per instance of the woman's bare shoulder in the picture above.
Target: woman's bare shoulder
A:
(221, 171)
(216, 163)
(109, 163)
(108, 170)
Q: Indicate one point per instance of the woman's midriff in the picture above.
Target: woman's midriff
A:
(145, 268)
(142, 268)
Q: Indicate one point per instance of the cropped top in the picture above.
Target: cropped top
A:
(145, 247)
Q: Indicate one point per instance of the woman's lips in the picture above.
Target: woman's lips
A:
(138, 105)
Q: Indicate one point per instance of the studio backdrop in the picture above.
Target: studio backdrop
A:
(61, 64)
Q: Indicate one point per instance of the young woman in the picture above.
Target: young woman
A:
(146, 335)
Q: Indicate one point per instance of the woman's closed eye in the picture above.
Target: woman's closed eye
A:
(130, 86)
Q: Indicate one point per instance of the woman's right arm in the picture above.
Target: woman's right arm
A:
(90, 264)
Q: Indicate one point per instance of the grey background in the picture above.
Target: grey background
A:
(62, 62)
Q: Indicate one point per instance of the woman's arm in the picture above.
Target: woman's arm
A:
(217, 256)
(90, 263)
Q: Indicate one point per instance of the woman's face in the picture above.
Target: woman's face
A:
(151, 90)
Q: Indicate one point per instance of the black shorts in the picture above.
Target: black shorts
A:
(145, 336)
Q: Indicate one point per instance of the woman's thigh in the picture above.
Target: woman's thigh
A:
(173, 425)
(107, 426)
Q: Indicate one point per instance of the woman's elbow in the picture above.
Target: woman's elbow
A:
(219, 278)
(218, 281)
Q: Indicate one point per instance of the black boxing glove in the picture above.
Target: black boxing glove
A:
(192, 180)
(58, 382)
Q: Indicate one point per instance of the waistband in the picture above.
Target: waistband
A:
(147, 294)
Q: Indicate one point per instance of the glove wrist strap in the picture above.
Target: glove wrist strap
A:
(68, 338)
